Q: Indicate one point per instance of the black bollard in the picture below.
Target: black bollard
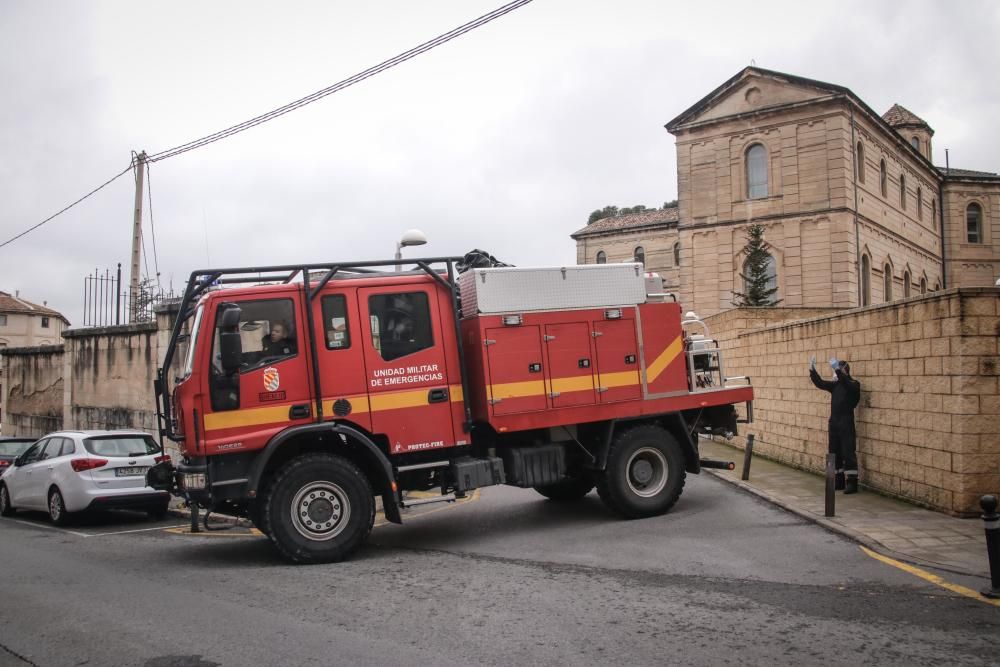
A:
(992, 520)
(747, 454)
(831, 477)
(193, 506)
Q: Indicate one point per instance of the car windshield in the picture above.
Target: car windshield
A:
(125, 445)
(14, 448)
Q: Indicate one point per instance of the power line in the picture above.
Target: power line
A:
(61, 211)
(340, 85)
(291, 106)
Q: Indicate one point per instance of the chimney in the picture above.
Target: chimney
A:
(17, 293)
(45, 303)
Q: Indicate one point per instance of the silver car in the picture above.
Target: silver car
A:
(72, 471)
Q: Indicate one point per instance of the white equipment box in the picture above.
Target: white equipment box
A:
(513, 289)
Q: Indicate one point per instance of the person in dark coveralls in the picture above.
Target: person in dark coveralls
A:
(845, 394)
(277, 343)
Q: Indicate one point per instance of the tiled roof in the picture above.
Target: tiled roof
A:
(900, 115)
(622, 223)
(959, 173)
(13, 304)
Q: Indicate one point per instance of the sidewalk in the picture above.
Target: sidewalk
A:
(910, 532)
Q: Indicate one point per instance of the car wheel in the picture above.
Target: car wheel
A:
(57, 509)
(567, 490)
(645, 473)
(6, 509)
(319, 509)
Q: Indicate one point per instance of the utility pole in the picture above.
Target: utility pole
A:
(133, 286)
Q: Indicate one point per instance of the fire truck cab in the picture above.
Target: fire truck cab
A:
(300, 394)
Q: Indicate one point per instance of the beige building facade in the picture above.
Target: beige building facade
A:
(26, 324)
(851, 203)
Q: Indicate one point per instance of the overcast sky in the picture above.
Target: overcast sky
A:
(503, 139)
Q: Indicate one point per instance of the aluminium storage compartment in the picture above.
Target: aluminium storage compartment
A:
(513, 289)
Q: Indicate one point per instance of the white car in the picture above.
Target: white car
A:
(73, 471)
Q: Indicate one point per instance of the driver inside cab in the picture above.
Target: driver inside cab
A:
(277, 343)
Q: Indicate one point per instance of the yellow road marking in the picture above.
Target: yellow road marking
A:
(933, 578)
(186, 530)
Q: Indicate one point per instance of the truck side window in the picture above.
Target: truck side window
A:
(335, 322)
(267, 331)
(401, 324)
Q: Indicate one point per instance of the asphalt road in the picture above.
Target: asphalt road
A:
(507, 579)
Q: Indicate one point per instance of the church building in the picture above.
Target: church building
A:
(854, 209)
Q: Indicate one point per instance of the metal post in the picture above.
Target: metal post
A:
(118, 295)
(831, 476)
(193, 506)
(992, 520)
(133, 289)
(747, 455)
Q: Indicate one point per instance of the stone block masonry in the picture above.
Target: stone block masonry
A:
(929, 419)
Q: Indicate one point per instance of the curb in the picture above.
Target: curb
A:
(843, 530)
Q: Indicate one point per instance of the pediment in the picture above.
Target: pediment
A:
(753, 90)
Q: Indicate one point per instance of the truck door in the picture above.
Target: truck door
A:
(407, 377)
(272, 389)
(516, 382)
(339, 333)
(570, 368)
(617, 360)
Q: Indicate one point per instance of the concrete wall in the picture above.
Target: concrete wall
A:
(100, 378)
(929, 419)
(110, 371)
(31, 400)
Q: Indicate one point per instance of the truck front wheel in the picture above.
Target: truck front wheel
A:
(319, 509)
(645, 472)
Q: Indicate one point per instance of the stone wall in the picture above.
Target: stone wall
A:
(929, 419)
(31, 402)
(111, 371)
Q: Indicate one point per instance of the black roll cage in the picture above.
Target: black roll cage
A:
(203, 280)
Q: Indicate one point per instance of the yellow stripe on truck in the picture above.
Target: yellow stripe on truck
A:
(665, 359)
(277, 414)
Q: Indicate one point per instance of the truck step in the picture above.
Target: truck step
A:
(448, 498)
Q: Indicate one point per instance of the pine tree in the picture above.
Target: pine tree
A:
(755, 274)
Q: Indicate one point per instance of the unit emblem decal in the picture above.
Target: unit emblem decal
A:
(271, 379)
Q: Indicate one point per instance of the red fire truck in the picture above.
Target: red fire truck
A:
(300, 394)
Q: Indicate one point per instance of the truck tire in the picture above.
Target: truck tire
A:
(645, 472)
(255, 512)
(319, 509)
(567, 490)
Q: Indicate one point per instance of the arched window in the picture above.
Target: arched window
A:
(906, 284)
(860, 162)
(902, 191)
(756, 172)
(920, 203)
(771, 271)
(677, 254)
(937, 286)
(887, 283)
(639, 255)
(915, 142)
(866, 281)
(883, 178)
(923, 285)
(601, 257)
(974, 223)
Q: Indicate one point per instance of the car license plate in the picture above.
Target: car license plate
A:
(131, 472)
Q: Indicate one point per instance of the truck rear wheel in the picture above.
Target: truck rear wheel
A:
(567, 490)
(645, 473)
(319, 509)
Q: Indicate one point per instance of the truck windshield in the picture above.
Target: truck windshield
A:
(193, 344)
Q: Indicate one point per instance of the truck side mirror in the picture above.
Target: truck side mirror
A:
(230, 343)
